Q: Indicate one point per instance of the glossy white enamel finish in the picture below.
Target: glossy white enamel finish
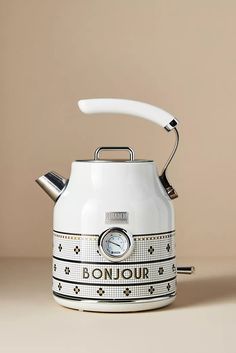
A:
(125, 106)
(95, 188)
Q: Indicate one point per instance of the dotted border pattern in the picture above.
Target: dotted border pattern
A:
(92, 237)
(115, 293)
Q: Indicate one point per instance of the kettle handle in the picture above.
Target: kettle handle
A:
(130, 107)
(142, 110)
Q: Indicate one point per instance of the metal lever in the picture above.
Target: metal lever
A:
(99, 149)
(187, 270)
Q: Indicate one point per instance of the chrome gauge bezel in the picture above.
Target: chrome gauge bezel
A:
(116, 258)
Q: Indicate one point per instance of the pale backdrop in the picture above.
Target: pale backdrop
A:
(179, 55)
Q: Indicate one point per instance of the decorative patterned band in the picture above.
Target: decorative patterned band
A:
(114, 292)
(85, 249)
(114, 284)
(114, 263)
(114, 274)
(81, 271)
(150, 236)
(172, 294)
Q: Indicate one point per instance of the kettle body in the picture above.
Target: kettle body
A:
(113, 235)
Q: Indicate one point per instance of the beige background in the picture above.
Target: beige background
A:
(179, 55)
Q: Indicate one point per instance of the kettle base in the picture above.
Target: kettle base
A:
(135, 305)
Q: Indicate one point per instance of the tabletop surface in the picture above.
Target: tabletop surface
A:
(202, 319)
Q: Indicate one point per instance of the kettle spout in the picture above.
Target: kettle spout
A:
(53, 184)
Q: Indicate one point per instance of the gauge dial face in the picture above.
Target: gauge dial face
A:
(116, 244)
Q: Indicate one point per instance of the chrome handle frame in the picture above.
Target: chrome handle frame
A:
(99, 149)
(163, 178)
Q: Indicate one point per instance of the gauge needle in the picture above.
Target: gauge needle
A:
(109, 241)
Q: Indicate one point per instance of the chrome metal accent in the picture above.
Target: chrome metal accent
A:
(114, 161)
(187, 270)
(117, 217)
(118, 230)
(130, 301)
(172, 124)
(163, 178)
(53, 184)
(99, 149)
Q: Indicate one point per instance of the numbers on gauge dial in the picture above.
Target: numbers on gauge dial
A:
(115, 244)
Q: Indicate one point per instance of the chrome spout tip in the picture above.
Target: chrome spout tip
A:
(53, 184)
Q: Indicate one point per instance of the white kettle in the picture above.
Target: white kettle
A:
(113, 230)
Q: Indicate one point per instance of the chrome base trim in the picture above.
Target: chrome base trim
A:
(129, 306)
(113, 301)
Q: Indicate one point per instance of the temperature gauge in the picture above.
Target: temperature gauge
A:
(116, 244)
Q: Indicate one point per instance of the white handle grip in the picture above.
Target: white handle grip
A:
(130, 107)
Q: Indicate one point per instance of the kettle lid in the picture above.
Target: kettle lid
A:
(97, 157)
(97, 153)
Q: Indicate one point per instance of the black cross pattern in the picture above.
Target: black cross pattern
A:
(59, 286)
(151, 250)
(67, 270)
(60, 247)
(76, 290)
(76, 249)
(168, 247)
(98, 252)
(55, 267)
(168, 287)
(151, 290)
(127, 292)
(173, 268)
(100, 291)
(161, 270)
